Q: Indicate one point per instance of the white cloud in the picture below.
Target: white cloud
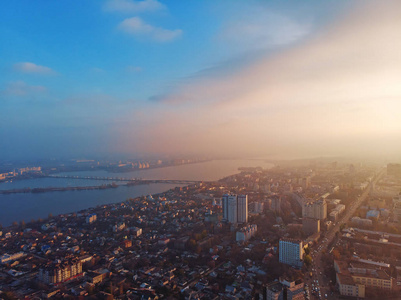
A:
(133, 69)
(263, 28)
(28, 67)
(130, 6)
(137, 27)
(20, 88)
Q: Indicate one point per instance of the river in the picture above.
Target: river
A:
(18, 207)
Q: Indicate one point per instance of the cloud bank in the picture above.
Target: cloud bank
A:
(137, 27)
(335, 92)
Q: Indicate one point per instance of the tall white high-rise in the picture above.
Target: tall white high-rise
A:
(235, 208)
(291, 252)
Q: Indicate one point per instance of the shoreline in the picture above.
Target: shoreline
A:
(94, 196)
(10, 225)
(95, 187)
(111, 171)
(154, 195)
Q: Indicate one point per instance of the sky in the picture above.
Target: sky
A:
(209, 78)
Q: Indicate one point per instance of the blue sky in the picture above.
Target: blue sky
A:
(99, 77)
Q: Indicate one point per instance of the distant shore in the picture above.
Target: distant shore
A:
(45, 173)
(58, 189)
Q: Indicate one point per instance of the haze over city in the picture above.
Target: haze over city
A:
(206, 150)
(220, 78)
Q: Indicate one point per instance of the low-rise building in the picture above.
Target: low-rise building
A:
(53, 273)
(348, 287)
(361, 222)
(245, 233)
(5, 258)
(91, 218)
(352, 277)
(284, 289)
(136, 231)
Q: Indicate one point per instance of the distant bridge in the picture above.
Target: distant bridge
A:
(128, 180)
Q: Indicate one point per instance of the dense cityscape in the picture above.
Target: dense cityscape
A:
(313, 231)
(200, 150)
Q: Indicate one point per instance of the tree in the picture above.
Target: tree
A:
(308, 260)
(336, 254)
(192, 244)
(9, 295)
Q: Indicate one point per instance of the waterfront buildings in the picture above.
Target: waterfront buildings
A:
(291, 252)
(172, 245)
(91, 218)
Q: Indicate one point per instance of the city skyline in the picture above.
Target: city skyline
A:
(221, 79)
(156, 149)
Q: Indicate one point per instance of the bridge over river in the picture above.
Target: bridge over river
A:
(128, 180)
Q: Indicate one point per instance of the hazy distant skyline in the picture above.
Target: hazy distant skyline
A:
(241, 78)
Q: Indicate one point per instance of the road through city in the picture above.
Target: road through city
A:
(319, 278)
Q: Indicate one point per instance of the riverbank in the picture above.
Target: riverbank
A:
(27, 206)
(112, 170)
(58, 189)
(96, 187)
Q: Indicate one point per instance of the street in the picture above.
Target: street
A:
(319, 279)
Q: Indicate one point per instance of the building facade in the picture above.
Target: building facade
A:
(242, 209)
(91, 218)
(291, 252)
(315, 209)
(59, 272)
(284, 290)
(353, 277)
(310, 226)
(235, 208)
(245, 233)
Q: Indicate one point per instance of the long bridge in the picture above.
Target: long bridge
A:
(128, 180)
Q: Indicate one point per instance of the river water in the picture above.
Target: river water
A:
(17, 207)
